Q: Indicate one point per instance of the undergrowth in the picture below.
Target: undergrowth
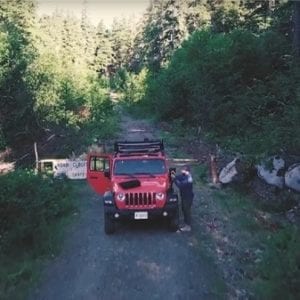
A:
(272, 270)
(33, 210)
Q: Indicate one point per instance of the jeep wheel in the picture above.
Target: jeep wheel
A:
(109, 224)
(174, 223)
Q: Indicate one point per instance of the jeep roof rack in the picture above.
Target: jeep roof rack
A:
(146, 146)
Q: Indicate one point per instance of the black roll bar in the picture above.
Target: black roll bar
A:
(146, 146)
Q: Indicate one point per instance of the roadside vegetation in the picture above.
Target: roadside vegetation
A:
(260, 247)
(235, 78)
(33, 212)
(234, 88)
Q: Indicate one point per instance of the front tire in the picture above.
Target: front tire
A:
(109, 224)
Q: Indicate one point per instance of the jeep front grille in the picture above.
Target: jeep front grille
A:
(140, 199)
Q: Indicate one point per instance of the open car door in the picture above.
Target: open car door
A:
(99, 172)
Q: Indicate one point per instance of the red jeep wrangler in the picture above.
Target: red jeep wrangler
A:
(135, 183)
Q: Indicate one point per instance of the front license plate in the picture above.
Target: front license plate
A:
(141, 215)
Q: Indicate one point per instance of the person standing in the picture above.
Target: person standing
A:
(184, 182)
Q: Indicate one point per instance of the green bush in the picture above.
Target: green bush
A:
(33, 209)
(102, 122)
(135, 88)
(28, 204)
(119, 79)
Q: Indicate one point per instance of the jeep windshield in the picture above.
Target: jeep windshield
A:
(139, 167)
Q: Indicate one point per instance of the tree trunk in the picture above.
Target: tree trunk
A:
(296, 21)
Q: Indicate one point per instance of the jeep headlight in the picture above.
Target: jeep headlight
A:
(121, 197)
(160, 196)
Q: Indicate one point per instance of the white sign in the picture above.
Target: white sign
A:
(72, 169)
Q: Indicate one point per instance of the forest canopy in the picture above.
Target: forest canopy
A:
(230, 68)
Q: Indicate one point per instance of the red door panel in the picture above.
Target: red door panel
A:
(97, 166)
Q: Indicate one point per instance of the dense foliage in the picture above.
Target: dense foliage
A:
(16, 54)
(53, 70)
(238, 85)
(28, 203)
(30, 210)
(224, 66)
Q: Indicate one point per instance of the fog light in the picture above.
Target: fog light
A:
(165, 213)
(117, 215)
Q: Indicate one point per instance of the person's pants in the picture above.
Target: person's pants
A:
(186, 209)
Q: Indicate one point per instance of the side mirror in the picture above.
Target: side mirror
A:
(107, 174)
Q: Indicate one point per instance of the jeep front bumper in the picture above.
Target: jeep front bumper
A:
(170, 210)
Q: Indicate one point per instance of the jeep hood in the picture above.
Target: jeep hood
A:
(145, 184)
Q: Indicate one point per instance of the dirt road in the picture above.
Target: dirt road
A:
(140, 261)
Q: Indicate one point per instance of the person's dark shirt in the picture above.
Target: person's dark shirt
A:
(185, 184)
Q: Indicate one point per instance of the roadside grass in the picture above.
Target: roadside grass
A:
(34, 210)
(200, 173)
(266, 248)
(280, 267)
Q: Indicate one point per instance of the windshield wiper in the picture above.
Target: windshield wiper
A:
(145, 173)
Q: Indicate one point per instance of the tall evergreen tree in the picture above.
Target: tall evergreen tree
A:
(103, 50)
(163, 32)
(196, 14)
(16, 107)
(122, 41)
(88, 33)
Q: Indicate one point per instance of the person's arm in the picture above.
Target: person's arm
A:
(181, 181)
